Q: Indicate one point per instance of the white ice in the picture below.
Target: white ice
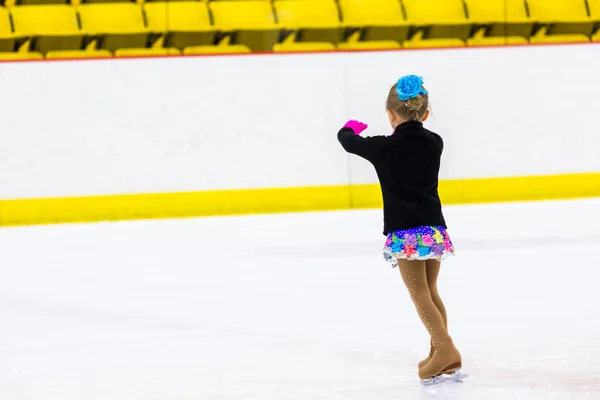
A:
(297, 306)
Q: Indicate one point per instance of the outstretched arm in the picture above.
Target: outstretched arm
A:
(367, 148)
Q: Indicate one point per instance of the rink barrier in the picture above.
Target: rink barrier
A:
(277, 200)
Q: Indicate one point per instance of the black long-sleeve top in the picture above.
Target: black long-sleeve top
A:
(407, 164)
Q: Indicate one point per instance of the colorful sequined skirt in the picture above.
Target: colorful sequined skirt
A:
(422, 243)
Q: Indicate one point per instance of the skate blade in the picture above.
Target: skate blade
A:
(455, 377)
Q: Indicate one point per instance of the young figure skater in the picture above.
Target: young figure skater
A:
(407, 164)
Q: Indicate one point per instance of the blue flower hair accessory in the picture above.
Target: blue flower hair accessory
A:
(409, 87)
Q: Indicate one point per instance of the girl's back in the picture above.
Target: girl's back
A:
(407, 164)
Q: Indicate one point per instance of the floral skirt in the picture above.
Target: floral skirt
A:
(421, 243)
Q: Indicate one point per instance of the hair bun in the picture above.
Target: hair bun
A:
(415, 103)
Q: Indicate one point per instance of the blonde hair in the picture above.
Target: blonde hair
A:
(411, 109)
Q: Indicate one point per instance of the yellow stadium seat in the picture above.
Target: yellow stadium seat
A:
(381, 19)
(101, 1)
(303, 46)
(313, 20)
(251, 21)
(147, 52)
(497, 41)
(7, 37)
(433, 43)
(10, 56)
(563, 16)
(504, 17)
(75, 54)
(119, 25)
(370, 45)
(594, 8)
(12, 3)
(51, 27)
(558, 39)
(231, 49)
(443, 18)
(186, 23)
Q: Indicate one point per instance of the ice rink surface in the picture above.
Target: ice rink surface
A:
(298, 306)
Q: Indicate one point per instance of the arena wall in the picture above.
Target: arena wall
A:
(189, 136)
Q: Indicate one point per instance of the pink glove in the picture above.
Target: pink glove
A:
(357, 126)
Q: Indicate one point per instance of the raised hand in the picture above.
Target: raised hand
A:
(356, 126)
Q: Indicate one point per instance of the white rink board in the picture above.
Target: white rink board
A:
(201, 123)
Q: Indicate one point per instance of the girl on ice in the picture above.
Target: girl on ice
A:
(407, 164)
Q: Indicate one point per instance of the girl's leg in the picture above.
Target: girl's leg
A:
(433, 270)
(445, 357)
(414, 274)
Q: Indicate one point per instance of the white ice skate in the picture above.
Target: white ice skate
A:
(455, 377)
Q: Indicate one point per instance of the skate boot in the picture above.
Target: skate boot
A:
(425, 361)
(445, 360)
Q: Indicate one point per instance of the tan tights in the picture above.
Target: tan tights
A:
(433, 270)
(429, 305)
